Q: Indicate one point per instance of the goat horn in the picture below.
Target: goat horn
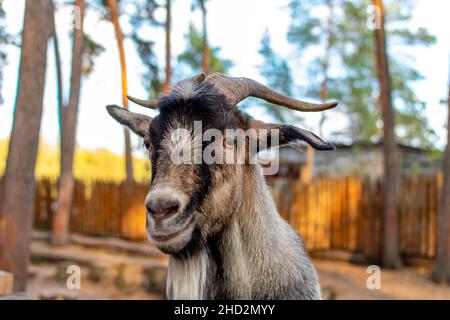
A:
(238, 89)
(200, 77)
(152, 104)
(147, 104)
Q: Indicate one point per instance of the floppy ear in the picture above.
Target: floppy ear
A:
(138, 123)
(290, 135)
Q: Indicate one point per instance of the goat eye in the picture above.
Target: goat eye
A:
(228, 142)
(147, 145)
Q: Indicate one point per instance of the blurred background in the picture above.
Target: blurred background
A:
(73, 182)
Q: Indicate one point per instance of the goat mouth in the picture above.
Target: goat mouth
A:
(166, 237)
(169, 236)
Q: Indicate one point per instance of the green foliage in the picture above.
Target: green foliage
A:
(351, 72)
(306, 29)
(141, 19)
(278, 76)
(141, 16)
(197, 4)
(191, 57)
(91, 51)
(275, 69)
(150, 76)
(314, 30)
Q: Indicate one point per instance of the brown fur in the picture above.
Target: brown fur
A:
(228, 240)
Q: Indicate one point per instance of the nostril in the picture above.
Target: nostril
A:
(149, 207)
(162, 207)
(172, 208)
(168, 208)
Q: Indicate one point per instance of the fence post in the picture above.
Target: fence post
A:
(306, 171)
(6, 283)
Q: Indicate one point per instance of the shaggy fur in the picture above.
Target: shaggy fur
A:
(232, 243)
(256, 255)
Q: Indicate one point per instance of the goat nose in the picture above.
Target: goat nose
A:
(162, 206)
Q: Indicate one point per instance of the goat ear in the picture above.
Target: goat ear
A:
(290, 135)
(138, 123)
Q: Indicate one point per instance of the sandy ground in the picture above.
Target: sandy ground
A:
(46, 286)
(105, 274)
(340, 280)
(348, 281)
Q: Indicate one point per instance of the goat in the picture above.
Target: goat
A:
(218, 222)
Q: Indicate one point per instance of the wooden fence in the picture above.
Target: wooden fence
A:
(343, 213)
(346, 213)
(99, 208)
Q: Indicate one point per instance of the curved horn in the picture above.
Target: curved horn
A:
(147, 104)
(152, 104)
(237, 89)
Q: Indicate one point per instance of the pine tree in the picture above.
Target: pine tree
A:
(278, 76)
(3, 40)
(345, 45)
(114, 15)
(441, 272)
(391, 156)
(19, 186)
(168, 78)
(192, 56)
(69, 121)
(206, 54)
(142, 17)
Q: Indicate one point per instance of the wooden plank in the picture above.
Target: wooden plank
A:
(329, 213)
(6, 283)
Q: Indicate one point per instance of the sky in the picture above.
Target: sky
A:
(237, 27)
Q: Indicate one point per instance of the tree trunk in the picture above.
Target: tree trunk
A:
(69, 115)
(206, 55)
(59, 80)
(307, 171)
(441, 272)
(323, 98)
(391, 252)
(166, 85)
(326, 63)
(16, 213)
(112, 4)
